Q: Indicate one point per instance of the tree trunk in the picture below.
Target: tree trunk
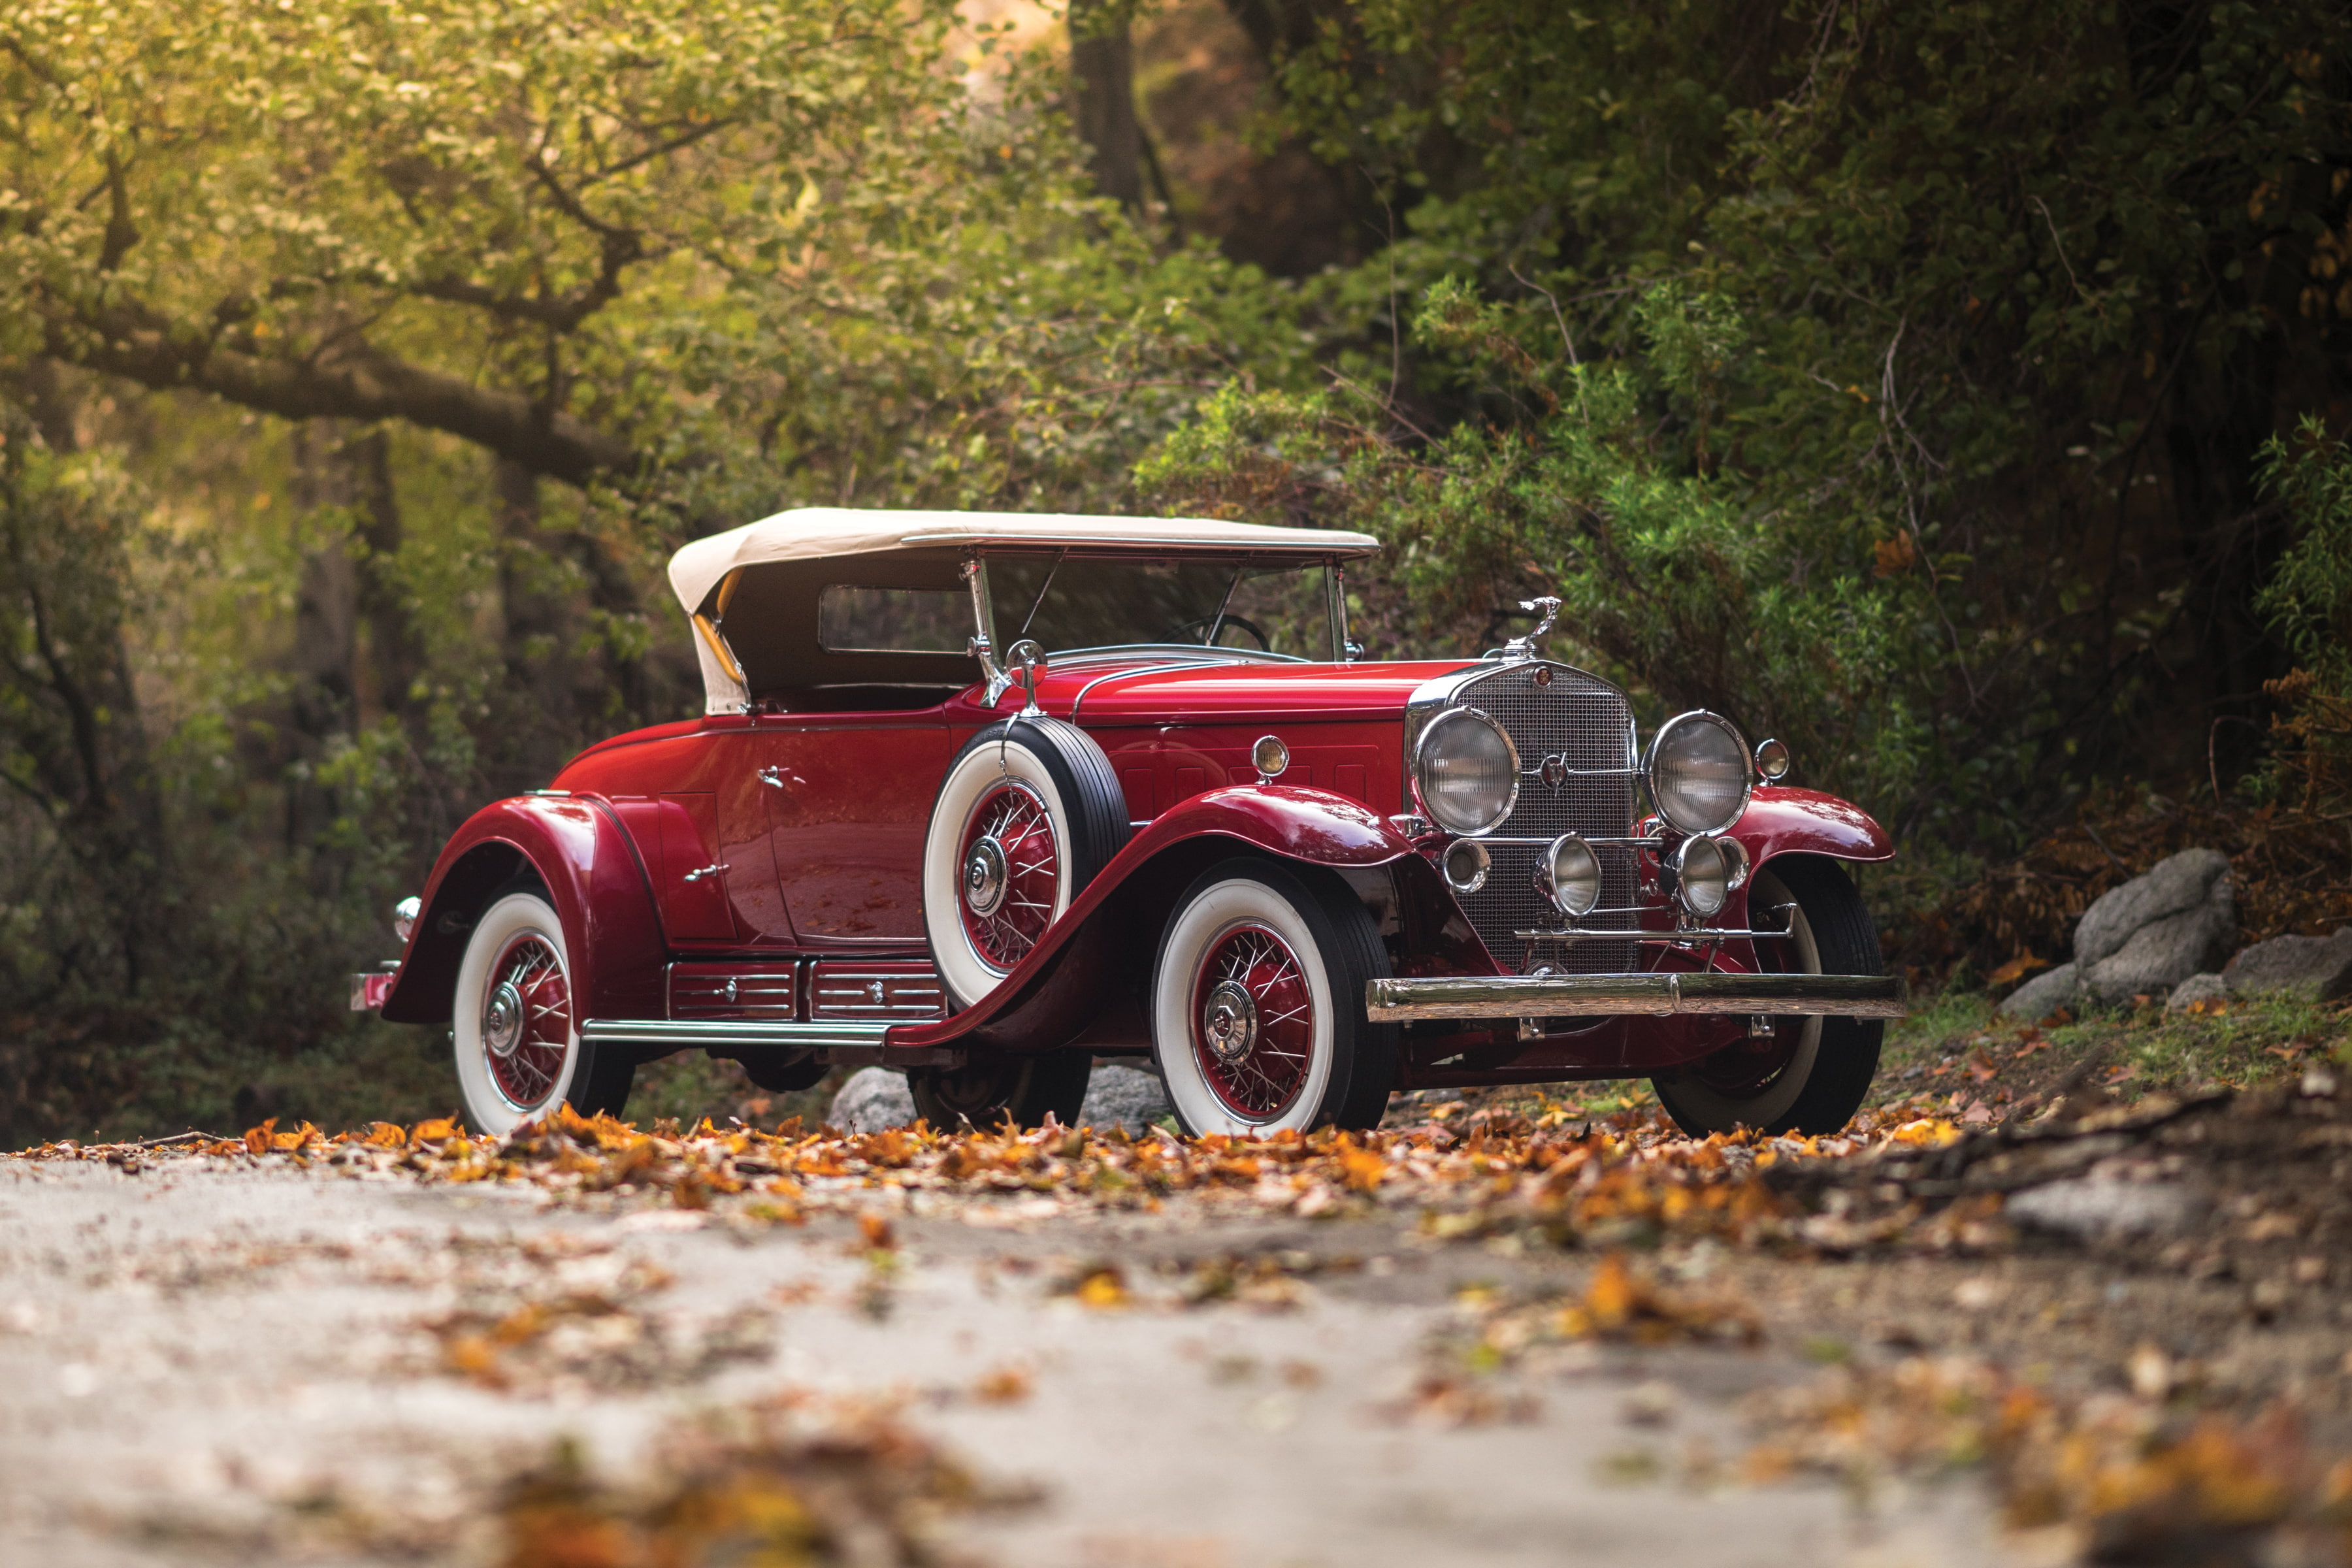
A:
(395, 656)
(1102, 65)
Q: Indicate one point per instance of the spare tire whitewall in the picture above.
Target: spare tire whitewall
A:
(1028, 813)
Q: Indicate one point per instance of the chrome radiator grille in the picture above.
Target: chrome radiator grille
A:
(1584, 723)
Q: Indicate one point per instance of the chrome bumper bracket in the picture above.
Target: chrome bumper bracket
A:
(1654, 995)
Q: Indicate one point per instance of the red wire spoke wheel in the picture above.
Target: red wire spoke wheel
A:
(1012, 871)
(1028, 813)
(527, 1020)
(1254, 1021)
(1255, 1007)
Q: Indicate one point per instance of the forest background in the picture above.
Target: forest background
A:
(1952, 391)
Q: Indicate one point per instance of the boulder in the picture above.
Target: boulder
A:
(2099, 1208)
(2195, 989)
(2041, 995)
(873, 1099)
(2318, 967)
(2175, 887)
(2155, 930)
(1124, 1096)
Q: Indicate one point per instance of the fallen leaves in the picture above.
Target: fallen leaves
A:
(2116, 1478)
(745, 1484)
(1628, 1180)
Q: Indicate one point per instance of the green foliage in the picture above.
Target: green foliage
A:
(2309, 595)
(1975, 314)
(1667, 583)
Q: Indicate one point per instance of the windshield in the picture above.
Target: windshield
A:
(1073, 602)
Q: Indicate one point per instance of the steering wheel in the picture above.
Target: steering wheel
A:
(1202, 622)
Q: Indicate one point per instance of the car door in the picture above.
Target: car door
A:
(849, 800)
(744, 793)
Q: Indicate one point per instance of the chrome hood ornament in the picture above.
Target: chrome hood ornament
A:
(1547, 609)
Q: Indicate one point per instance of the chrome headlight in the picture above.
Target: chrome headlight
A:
(1701, 874)
(1467, 772)
(1466, 863)
(1697, 772)
(1570, 875)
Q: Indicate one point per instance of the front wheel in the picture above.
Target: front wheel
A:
(1257, 1005)
(519, 1051)
(1810, 1074)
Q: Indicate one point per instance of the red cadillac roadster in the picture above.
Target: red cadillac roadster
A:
(987, 797)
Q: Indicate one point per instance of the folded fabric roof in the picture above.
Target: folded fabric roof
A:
(812, 531)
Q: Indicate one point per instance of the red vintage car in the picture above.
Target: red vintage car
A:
(988, 797)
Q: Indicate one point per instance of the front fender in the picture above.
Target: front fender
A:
(1805, 821)
(611, 929)
(1045, 1002)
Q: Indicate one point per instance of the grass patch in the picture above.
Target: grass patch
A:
(1954, 1047)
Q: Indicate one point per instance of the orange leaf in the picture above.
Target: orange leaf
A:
(2016, 969)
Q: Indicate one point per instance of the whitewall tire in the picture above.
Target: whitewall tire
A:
(515, 1025)
(1257, 1005)
(1027, 814)
(1813, 1072)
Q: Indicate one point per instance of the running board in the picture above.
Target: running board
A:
(841, 1042)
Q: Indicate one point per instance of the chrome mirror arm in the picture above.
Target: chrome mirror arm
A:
(981, 648)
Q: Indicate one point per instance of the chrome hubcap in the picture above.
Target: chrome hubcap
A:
(984, 880)
(1229, 1021)
(502, 1020)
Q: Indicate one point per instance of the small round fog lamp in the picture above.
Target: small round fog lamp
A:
(403, 916)
(1570, 875)
(1466, 863)
(1702, 875)
(1269, 757)
(1772, 760)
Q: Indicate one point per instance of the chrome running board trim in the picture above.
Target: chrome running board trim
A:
(833, 1040)
(1654, 995)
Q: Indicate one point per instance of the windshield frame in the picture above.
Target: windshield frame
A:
(991, 648)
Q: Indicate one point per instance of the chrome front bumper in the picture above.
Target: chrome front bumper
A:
(1654, 995)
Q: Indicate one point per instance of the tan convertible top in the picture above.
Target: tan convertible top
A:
(811, 531)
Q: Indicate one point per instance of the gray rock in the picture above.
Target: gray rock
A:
(2097, 1208)
(2041, 995)
(2319, 967)
(2197, 989)
(1124, 1096)
(2176, 886)
(873, 1099)
(2160, 955)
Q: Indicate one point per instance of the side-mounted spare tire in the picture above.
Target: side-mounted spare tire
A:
(1028, 813)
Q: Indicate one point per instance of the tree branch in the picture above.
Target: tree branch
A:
(359, 383)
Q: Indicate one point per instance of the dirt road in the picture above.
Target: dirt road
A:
(272, 1363)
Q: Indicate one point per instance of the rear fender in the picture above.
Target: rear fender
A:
(593, 876)
(1807, 822)
(1075, 971)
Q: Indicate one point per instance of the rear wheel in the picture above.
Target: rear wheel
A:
(514, 1026)
(1257, 1005)
(1811, 1073)
(984, 1093)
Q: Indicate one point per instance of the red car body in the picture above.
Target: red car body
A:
(765, 869)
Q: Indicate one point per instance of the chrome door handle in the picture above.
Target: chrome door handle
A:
(706, 871)
(773, 777)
